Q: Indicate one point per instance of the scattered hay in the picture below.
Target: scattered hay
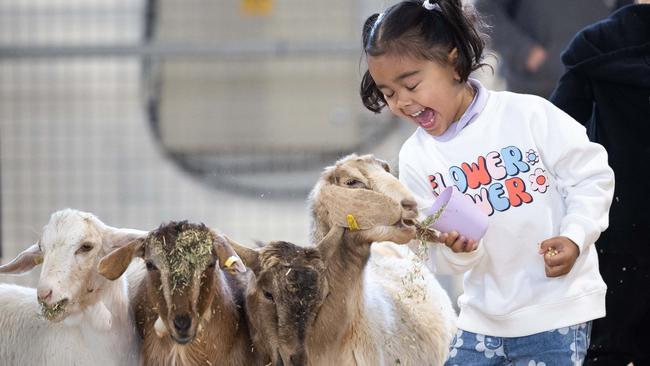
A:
(414, 285)
(51, 312)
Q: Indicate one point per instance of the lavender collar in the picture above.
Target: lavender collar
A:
(475, 108)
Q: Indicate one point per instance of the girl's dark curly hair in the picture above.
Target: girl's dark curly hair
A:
(409, 29)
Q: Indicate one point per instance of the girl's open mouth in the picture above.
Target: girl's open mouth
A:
(426, 118)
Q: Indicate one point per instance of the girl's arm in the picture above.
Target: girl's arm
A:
(442, 260)
(583, 176)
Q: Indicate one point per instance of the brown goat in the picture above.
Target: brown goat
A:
(284, 297)
(186, 296)
(335, 304)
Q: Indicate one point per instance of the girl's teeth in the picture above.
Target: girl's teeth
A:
(417, 113)
(425, 118)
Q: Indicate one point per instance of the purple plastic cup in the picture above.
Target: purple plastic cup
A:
(459, 213)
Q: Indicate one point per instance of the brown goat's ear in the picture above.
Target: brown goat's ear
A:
(248, 255)
(116, 262)
(116, 238)
(330, 242)
(228, 258)
(25, 261)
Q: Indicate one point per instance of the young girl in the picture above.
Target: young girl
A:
(532, 284)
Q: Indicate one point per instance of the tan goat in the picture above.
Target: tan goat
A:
(336, 304)
(188, 311)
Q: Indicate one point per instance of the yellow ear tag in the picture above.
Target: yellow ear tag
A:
(352, 223)
(38, 260)
(230, 261)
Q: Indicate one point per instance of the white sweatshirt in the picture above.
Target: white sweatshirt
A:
(532, 169)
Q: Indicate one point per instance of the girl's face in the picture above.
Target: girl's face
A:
(423, 91)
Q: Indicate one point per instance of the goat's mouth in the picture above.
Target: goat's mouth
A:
(54, 312)
(182, 339)
(406, 223)
(296, 359)
(407, 228)
(279, 361)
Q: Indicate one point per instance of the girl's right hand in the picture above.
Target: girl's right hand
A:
(458, 243)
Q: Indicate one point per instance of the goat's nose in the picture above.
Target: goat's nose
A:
(44, 294)
(297, 359)
(182, 322)
(409, 204)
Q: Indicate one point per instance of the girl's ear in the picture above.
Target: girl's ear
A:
(452, 58)
(453, 55)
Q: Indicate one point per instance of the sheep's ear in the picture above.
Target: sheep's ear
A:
(248, 255)
(228, 258)
(329, 175)
(115, 263)
(358, 209)
(330, 242)
(117, 238)
(25, 261)
(384, 164)
(373, 159)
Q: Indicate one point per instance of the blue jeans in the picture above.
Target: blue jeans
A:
(558, 347)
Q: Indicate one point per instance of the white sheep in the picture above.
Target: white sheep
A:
(75, 316)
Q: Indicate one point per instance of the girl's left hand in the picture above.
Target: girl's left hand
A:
(560, 254)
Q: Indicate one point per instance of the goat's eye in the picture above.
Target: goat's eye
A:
(212, 264)
(85, 248)
(354, 183)
(268, 295)
(151, 266)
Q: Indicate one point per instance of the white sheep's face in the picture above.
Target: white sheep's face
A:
(70, 247)
(72, 243)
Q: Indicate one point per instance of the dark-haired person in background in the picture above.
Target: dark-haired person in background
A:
(607, 88)
(530, 35)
